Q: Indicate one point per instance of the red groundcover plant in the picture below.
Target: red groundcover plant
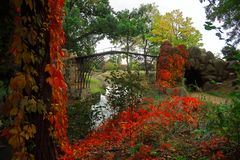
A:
(117, 135)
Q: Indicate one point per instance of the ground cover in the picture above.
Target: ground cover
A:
(198, 126)
(175, 128)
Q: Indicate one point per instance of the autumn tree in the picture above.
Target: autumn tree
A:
(175, 28)
(85, 23)
(34, 106)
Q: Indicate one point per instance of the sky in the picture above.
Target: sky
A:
(190, 8)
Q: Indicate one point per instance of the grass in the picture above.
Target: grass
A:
(96, 86)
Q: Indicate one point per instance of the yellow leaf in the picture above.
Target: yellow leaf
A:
(14, 141)
(41, 107)
(17, 3)
(18, 82)
(35, 88)
(14, 130)
(20, 116)
(33, 105)
(33, 129)
(14, 111)
(27, 57)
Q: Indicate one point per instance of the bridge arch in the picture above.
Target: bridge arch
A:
(81, 67)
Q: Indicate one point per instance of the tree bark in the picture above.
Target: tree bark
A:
(43, 147)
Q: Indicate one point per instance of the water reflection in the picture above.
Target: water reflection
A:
(102, 110)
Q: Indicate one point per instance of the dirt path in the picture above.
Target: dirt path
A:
(210, 98)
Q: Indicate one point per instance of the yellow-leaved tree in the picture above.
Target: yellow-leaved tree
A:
(175, 28)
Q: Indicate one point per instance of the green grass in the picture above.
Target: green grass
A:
(96, 86)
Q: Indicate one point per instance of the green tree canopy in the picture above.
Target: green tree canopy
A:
(146, 14)
(175, 28)
(86, 22)
(127, 30)
(228, 13)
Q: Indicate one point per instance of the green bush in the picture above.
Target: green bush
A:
(109, 66)
(224, 120)
(81, 121)
(125, 89)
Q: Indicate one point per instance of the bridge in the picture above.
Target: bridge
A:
(82, 66)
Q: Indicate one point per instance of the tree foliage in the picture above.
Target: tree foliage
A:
(175, 28)
(228, 13)
(146, 14)
(170, 65)
(85, 23)
(127, 29)
(35, 105)
(230, 52)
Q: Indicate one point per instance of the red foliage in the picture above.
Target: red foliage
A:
(122, 132)
(58, 114)
(170, 65)
(212, 147)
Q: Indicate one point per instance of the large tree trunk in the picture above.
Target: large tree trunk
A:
(43, 147)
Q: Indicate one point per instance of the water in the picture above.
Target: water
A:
(102, 110)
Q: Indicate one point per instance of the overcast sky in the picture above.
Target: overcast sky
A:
(190, 8)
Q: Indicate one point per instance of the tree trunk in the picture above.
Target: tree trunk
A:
(43, 147)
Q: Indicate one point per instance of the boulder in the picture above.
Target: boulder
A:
(194, 52)
(209, 67)
(210, 55)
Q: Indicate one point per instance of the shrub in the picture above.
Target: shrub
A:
(125, 89)
(109, 66)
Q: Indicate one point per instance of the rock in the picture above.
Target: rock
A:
(210, 55)
(194, 52)
(202, 67)
(202, 59)
(208, 86)
(210, 69)
(209, 78)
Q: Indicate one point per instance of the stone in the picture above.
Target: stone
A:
(208, 86)
(210, 55)
(209, 78)
(194, 52)
(210, 69)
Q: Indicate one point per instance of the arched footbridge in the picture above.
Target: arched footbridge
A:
(78, 69)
